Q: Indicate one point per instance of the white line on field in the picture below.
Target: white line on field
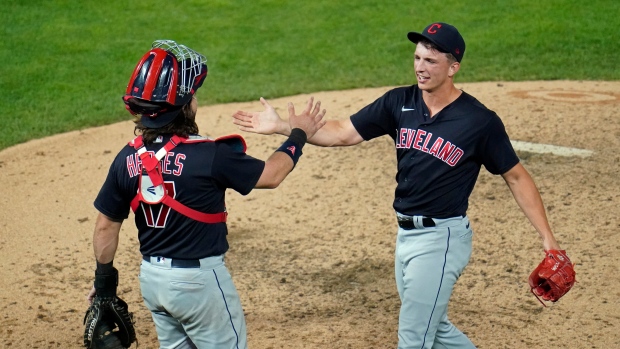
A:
(550, 149)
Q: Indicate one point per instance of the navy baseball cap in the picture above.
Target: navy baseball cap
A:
(445, 36)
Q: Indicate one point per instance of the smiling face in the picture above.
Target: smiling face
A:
(433, 69)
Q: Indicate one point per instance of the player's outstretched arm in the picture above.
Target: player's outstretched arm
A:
(334, 133)
(283, 160)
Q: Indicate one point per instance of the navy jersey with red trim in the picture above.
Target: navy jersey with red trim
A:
(439, 158)
(197, 174)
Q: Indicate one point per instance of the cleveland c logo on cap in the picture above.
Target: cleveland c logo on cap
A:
(433, 28)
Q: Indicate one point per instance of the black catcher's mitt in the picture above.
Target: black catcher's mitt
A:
(108, 322)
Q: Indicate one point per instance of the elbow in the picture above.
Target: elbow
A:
(275, 171)
(276, 180)
(272, 185)
(269, 182)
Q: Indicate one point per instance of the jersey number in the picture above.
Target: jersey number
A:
(157, 215)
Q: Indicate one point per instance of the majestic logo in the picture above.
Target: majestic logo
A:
(407, 109)
(433, 28)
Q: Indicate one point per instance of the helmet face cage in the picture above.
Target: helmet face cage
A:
(190, 65)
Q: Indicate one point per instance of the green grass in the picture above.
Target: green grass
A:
(65, 64)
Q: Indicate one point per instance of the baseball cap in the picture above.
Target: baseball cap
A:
(444, 35)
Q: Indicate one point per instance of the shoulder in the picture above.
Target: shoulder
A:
(473, 108)
(125, 151)
(234, 141)
(402, 92)
(394, 99)
(469, 113)
(468, 101)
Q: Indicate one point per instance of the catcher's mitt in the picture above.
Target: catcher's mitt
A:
(553, 277)
(108, 324)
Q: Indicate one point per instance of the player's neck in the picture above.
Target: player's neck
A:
(438, 99)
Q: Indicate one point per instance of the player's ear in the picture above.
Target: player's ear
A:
(454, 68)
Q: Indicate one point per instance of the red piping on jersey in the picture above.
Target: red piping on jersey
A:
(153, 168)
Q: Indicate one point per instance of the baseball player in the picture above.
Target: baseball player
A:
(175, 181)
(442, 137)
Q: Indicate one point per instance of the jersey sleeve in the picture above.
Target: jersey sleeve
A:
(376, 119)
(235, 169)
(112, 199)
(498, 155)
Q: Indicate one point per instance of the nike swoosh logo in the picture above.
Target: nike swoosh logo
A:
(407, 109)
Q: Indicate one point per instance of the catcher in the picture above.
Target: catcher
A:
(175, 182)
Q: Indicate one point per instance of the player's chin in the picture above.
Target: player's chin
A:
(424, 84)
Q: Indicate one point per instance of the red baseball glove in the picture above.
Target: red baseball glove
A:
(553, 277)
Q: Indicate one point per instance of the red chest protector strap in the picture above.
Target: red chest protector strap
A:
(151, 188)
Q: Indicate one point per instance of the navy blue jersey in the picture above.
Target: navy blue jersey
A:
(439, 158)
(197, 175)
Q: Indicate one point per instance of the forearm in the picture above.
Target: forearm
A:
(277, 167)
(529, 200)
(336, 133)
(328, 135)
(282, 161)
(105, 239)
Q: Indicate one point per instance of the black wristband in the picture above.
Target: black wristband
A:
(291, 149)
(292, 146)
(106, 284)
(298, 136)
(105, 268)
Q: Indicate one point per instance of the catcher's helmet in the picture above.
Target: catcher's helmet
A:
(164, 80)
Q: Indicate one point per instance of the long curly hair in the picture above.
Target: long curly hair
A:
(183, 126)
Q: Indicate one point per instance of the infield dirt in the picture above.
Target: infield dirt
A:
(313, 259)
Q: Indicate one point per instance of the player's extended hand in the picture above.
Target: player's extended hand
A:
(310, 120)
(265, 122)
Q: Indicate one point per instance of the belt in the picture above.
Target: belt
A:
(407, 222)
(178, 263)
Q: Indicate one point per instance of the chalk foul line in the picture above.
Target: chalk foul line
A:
(550, 149)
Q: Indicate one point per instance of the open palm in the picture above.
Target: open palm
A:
(264, 122)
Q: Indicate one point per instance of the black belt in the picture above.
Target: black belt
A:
(179, 263)
(407, 222)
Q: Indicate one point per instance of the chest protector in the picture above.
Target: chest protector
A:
(151, 188)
